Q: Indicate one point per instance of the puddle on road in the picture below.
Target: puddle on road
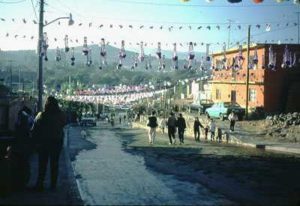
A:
(113, 176)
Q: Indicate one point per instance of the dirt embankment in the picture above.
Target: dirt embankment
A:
(278, 128)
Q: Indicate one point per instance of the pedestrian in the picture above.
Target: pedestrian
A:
(212, 128)
(206, 128)
(21, 149)
(152, 124)
(172, 128)
(83, 134)
(197, 126)
(124, 117)
(120, 119)
(232, 119)
(48, 137)
(206, 132)
(162, 125)
(219, 134)
(181, 125)
(112, 121)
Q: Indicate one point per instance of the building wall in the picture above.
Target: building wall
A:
(229, 80)
(226, 89)
(276, 85)
(271, 86)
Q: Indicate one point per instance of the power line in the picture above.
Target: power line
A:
(34, 10)
(266, 32)
(208, 5)
(12, 2)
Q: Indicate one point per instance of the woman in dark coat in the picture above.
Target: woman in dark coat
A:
(48, 136)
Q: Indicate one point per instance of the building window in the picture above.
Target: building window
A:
(219, 64)
(218, 94)
(233, 96)
(252, 95)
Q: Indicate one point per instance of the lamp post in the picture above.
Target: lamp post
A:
(40, 58)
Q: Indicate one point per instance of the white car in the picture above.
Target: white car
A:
(88, 121)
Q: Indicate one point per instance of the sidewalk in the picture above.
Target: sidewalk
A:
(65, 194)
(248, 139)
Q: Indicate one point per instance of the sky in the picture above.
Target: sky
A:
(282, 18)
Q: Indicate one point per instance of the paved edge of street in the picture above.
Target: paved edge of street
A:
(71, 170)
(237, 141)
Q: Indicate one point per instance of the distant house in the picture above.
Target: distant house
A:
(200, 90)
(275, 89)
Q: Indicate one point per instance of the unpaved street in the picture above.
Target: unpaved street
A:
(118, 167)
(109, 175)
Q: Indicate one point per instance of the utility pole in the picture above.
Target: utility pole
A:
(247, 77)
(298, 13)
(10, 71)
(40, 43)
(229, 30)
(40, 72)
(19, 86)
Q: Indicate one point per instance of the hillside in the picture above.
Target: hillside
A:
(56, 73)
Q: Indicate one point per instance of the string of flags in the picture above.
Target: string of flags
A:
(140, 58)
(170, 28)
(289, 59)
(67, 41)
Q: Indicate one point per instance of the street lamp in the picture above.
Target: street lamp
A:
(40, 44)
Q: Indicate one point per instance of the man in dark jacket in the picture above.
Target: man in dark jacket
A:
(181, 127)
(152, 124)
(197, 126)
(171, 127)
(48, 136)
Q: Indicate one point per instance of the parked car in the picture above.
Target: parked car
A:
(88, 121)
(223, 109)
(204, 104)
(103, 116)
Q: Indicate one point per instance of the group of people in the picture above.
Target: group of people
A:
(174, 124)
(42, 134)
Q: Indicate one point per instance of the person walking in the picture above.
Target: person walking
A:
(232, 119)
(162, 125)
(172, 128)
(48, 137)
(152, 124)
(206, 128)
(21, 149)
(212, 128)
(197, 126)
(181, 125)
(120, 119)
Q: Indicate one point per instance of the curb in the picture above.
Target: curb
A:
(283, 149)
(70, 166)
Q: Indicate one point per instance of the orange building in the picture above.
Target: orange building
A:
(276, 90)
